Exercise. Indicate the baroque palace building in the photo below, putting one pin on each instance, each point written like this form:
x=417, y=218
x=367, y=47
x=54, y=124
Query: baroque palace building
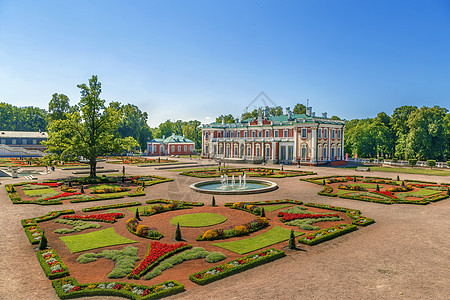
x=285, y=139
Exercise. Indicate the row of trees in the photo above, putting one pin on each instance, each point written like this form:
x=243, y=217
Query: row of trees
x=13, y=118
x=409, y=133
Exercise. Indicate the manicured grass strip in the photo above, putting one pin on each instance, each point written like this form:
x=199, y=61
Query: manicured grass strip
x=343, y=192
x=198, y=220
x=271, y=237
x=94, y=240
x=35, y=193
x=422, y=192
x=128, y=290
x=364, y=185
x=412, y=171
x=272, y=208
x=236, y=266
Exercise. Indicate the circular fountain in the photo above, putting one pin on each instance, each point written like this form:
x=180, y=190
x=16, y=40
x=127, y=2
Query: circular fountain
x=225, y=186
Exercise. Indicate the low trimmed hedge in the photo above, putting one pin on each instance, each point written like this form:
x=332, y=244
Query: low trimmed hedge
x=269, y=202
x=236, y=266
x=69, y=288
x=327, y=191
x=52, y=259
x=153, y=201
x=34, y=234
x=103, y=207
x=357, y=197
x=327, y=234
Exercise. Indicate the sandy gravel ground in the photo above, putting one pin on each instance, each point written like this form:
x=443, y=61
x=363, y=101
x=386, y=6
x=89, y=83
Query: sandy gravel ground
x=404, y=255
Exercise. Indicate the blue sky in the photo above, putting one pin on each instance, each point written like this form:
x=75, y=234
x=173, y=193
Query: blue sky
x=199, y=59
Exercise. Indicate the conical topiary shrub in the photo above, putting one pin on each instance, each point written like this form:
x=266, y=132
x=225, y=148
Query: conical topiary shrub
x=323, y=182
x=378, y=188
x=178, y=233
x=43, y=243
x=82, y=189
x=137, y=215
x=70, y=183
x=143, y=183
x=263, y=213
x=292, y=241
x=213, y=203
x=398, y=178
x=448, y=192
x=403, y=183
x=354, y=178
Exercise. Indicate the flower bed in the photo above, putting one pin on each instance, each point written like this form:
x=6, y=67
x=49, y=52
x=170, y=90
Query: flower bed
x=351, y=187
x=269, y=202
x=362, y=197
x=51, y=264
x=170, y=205
x=69, y=288
x=156, y=254
x=34, y=234
x=110, y=190
x=52, y=184
x=103, y=207
x=352, y=213
x=189, y=203
x=149, y=180
x=65, y=194
x=287, y=217
x=219, y=234
x=386, y=193
x=236, y=266
x=107, y=217
x=326, y=234
x=143, y=230
x=248, y=207
x=327, y=191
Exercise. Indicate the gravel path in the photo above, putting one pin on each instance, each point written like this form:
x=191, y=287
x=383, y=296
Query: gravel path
x=404, y=255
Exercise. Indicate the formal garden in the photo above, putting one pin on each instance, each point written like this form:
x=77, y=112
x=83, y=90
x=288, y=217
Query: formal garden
x=249, y=172
x=162, y=247
x=35, y=162
x=82, y=189
x=381, y=189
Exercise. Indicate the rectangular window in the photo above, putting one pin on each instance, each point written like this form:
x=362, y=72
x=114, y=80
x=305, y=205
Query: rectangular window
x=285, y=133
x=253, y=133
x=267, y=151
x=319, y=133
x=191, y=148
x=24, y=141
x=34, y=142
x=154, y=149
x=3, y=141
x=206, y=135
x=179, y=148
x=303, y=151
x=304, y=133
x=238, y=134
x=235, y=150
x=260, y=134
x=339, y=133
x=245, y=133
x=325, y=133
x=333, y=133
x=249, y=150
x=276, y=133
x=267, y=133
x=185, y=148
x=173, y=149
x=13, y=141
x=231, y=134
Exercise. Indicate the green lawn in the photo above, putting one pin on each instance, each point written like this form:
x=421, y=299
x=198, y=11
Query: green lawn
x=34, y=193
x=272, y=208
x=198, y=220
x=365, y=185
x=94, y=240
x=434, y=172
x=104, y=186
x=271, y=237
x=343, y=192
x=421, y=192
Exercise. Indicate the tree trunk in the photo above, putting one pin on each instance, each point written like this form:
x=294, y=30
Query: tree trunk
x=93, y=165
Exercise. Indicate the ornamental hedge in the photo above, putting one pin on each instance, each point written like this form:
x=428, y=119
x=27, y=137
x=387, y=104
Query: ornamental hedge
x=51, y=264
x=236, y=266
x=69, y=288
x=327, y=234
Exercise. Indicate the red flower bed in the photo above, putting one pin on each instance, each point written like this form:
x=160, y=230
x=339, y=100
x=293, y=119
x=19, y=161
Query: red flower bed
x=157, y=250
x=52, y=184
x=65, y=194
x=286, y=217
x=109, y=217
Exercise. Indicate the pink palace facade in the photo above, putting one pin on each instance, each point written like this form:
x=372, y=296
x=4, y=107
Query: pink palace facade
x=287, y=139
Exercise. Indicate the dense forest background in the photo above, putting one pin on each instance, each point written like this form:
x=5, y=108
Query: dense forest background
x=409, y=133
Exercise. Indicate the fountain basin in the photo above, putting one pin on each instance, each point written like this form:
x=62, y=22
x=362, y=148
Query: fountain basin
x=252, y=186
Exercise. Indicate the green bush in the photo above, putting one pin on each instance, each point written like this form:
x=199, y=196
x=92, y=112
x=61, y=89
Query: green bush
x=52, y=269
x=448, y=163
x=325, y=234
x=412, y=162
x=215, y=257
x=431, y=163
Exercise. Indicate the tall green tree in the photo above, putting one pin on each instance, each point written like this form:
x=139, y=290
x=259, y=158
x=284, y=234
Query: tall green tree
x=59, y=107
x=227, y=119
x=133, y=123
x=299, y=109
x=88, y=131
x=400, y=129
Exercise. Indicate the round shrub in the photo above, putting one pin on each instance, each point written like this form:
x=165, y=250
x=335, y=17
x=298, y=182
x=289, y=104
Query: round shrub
x=215, y=257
